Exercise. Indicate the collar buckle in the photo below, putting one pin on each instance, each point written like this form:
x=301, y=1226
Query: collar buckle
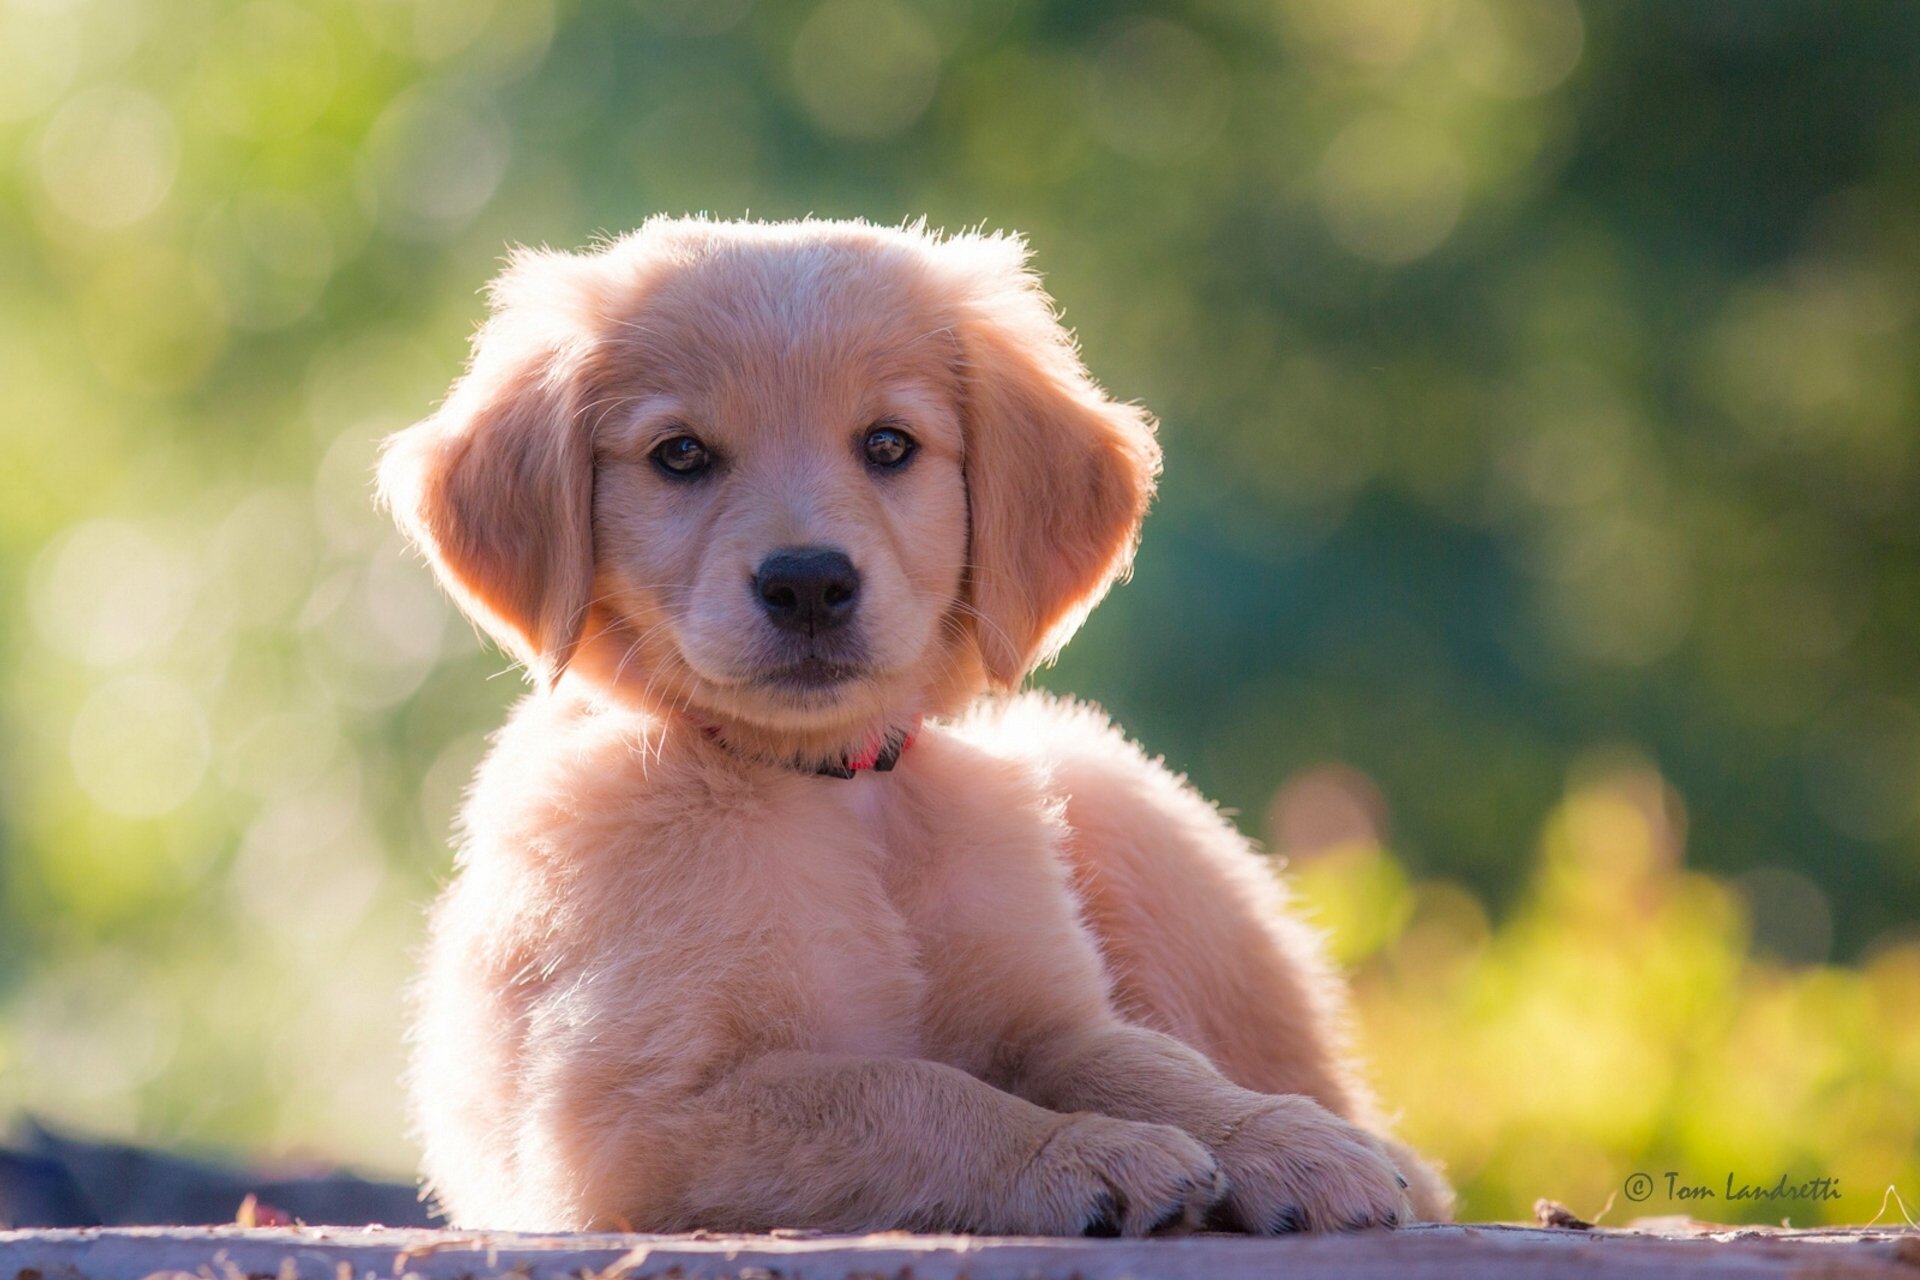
x=881, y=759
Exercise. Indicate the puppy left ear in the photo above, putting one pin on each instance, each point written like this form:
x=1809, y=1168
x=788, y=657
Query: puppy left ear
x=1058, y=474
x=497, y=487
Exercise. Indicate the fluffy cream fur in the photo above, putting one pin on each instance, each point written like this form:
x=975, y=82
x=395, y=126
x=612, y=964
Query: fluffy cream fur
x=1028, y=981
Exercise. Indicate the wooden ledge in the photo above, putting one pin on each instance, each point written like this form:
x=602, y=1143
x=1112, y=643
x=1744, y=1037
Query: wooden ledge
x=1655, y=1248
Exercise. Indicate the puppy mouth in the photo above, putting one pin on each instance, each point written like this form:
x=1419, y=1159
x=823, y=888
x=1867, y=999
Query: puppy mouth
x=810, y=675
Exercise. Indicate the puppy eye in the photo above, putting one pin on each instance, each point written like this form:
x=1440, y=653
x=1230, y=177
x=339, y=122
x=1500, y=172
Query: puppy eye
x=888, y=446
x=682, y=456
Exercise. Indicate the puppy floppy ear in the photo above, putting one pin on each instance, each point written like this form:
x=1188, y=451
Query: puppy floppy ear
x=1058, y=474
x=496, y=488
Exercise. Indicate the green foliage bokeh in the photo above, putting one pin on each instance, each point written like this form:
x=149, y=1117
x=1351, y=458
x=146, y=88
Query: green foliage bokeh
x=1537, y=564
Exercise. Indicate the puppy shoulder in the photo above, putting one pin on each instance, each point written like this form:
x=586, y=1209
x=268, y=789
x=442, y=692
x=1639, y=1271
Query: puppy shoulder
x=1050, y=730
x=566, y=772
x=1086, y=758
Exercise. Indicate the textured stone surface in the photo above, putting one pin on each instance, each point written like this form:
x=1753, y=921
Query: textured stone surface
x=372, y=1253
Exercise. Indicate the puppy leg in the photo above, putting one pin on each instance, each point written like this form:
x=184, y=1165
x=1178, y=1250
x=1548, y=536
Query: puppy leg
x=1290, y=1163
x=1198, y=938
x=1200, y=943
x=1194, y=927
x=843, y=1143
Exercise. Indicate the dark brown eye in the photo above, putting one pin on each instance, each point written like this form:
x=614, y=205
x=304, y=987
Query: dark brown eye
x=888, y=446
x=682, y=457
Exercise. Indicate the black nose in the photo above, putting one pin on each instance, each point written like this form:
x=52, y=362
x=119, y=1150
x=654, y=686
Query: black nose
x=807, y=589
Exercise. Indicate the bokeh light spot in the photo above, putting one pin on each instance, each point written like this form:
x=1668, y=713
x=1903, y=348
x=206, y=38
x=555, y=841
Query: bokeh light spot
x=1620, y=589
x=263, y=554
x=100, y=1021
x=108, y=591
x=375, y=630
x=1391, y=187
x=443, y=28
x=1324, y=808
x=40, y=47
x=865, y=68
x=306, y=864
x=1517, y=48
x=1574, y=438
x=108, y=157
x=281, y=751
x=139, y=746
x=432, y=162
x=1369, y=33
x=1156, y=90
x=515, y=42
x=1791, y=921
x=270, y=70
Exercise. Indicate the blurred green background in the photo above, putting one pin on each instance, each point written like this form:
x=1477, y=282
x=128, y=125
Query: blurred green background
x=1537, y=567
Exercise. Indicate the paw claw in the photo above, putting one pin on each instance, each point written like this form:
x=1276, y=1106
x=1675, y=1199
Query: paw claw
x=1173, y=1217
x=1104, y=1222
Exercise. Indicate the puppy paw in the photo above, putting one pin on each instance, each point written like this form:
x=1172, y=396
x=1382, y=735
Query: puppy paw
x=1097, y=1176
x=1295, y=1166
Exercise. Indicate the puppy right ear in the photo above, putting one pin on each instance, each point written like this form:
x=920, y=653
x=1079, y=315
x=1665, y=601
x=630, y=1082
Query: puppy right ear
x=497, y=487
x=1058, y=473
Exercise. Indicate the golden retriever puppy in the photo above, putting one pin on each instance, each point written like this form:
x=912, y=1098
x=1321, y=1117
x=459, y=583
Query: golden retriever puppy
x=775, y=906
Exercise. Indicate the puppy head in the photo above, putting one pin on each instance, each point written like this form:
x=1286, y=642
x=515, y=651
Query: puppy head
x=798, y=478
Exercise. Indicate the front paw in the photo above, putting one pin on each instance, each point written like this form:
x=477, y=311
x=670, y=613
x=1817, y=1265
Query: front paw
x=1097, y=1176
x=1295, y=1166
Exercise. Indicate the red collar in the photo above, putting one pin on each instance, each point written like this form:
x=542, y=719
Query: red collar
x=879, y=755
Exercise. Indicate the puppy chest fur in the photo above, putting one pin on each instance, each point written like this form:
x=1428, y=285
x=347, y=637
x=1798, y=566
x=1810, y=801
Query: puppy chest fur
x=619, y=938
